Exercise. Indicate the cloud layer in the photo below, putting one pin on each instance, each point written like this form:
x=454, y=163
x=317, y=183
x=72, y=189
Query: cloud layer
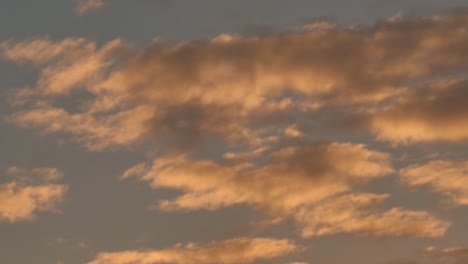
x=264, y=101
x=403, y=79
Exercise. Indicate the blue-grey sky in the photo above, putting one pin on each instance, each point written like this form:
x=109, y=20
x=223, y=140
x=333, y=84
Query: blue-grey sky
x=171, y=131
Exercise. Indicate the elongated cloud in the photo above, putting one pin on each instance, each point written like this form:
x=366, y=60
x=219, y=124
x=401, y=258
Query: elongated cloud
x=293, y=176
x=351, y=214
x=245, y=89
x=454, y=255
x=89, y=6
x=240, y=250
x=41, y=174
x=66, y=65
x=41, y=51
x=434, y=255
x=305, y=183
x=449, y=178
x=22, y=198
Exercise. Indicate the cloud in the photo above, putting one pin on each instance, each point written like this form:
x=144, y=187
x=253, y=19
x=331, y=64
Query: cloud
x=240, y=250
x=89, y=6
x=434, y=255
x=41, y=51
x=43, y=174
x=94, y=132
x=22, y=198
x=65, y=65
x=455, y=255
x=310, y=183
x=350, y=214
x=292, y=176
x=247, y=89
x=435, y=111
x=449, y=178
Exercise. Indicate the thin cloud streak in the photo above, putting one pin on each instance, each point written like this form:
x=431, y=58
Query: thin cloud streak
x=89, y=6
x=239, y=250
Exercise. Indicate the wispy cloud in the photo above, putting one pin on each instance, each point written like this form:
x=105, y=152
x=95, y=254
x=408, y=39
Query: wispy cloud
x=449, y=178
x=89, y=6
x=240, y=250
x=454, y=255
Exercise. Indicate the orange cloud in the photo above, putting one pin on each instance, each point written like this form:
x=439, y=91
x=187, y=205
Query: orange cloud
x=22, y=198
x=292, y=176
x=350, y=214
x=435, y=111
x=95, y=132
x=41, y=51
x=240, y=250
x=306, y=183
x=89, y=6
x=66, y=65
x=43, y=174
x=246, y=89
x=449, y=178
x=455, y=255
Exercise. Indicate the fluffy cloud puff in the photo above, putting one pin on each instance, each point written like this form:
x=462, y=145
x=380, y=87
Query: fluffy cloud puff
x=30, y=192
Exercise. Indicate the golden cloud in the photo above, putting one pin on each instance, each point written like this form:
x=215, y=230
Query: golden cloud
x=89, y=6
x=351, y=214
x=23, y=197
x=454, y=255
x=246, y=89
x=239, y=250
x=449, y=178
x=435, y=111
x=310, y=183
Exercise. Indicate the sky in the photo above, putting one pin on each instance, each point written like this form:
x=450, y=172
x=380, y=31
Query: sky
x=206, y=132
